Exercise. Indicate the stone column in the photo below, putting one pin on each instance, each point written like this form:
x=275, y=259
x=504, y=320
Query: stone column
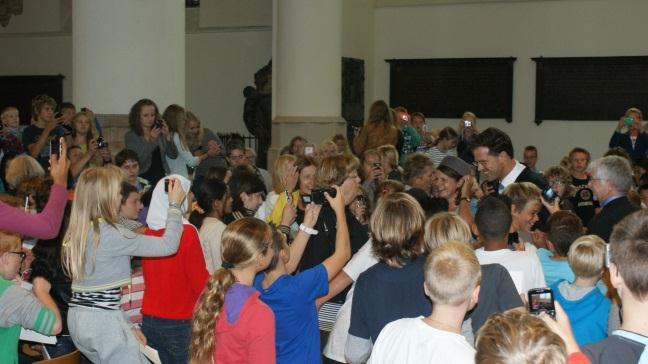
x=306, y=71
x=125, y=50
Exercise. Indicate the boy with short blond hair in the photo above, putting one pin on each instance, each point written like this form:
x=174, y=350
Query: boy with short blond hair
x=588, y=309
x=452, y=282
x=19, y=307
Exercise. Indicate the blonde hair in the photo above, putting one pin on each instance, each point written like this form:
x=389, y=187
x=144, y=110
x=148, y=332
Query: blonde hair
x=444, y=227
x=587, y=256
x=387, y=187
x=452, y=272
x=635, y=111
x=193, y=142
x=278, y=173
x=325, y=143
x=91, y=132
x=243, y=241
x=334, y=170
x=5, y=111
x=521, y=193
x=397, y=229
x=176, y=117
x=336, y=137
x=469, y=114
x=21, y=168
x=389, y=153
x=9, y=241
x=95, y=196
x=514, y=337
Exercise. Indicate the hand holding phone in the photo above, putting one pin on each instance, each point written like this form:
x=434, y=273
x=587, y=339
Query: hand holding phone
x=542, y=300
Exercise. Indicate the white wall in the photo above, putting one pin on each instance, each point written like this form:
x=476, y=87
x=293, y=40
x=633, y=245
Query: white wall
x=358, y=39
x=220, y=61
x=219, y=66
x=528, y=29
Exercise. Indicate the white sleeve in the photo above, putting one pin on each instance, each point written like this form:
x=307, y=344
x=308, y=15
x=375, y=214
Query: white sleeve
x=362, y=260
x=184, y=154
x=538, y=273
x=266, y=207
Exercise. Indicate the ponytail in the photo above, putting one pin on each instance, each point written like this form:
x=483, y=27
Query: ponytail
x=208, y=191
x=196, y=218
x=243, y=241
x=206, y=316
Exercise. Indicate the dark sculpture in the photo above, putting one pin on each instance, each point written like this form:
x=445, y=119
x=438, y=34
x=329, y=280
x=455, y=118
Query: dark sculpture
x=257, y=111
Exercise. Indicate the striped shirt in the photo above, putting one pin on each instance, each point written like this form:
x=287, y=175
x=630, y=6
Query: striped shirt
x=132, y=296
x=106, y=300
x=437, y=156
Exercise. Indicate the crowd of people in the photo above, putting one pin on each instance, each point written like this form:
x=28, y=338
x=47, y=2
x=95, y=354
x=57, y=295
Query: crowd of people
x=406, y=244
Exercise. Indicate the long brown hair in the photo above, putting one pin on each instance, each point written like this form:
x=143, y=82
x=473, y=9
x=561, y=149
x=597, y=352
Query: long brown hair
x=243, y=241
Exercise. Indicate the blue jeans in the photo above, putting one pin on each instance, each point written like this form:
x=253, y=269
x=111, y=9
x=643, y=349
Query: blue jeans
x=169, y=337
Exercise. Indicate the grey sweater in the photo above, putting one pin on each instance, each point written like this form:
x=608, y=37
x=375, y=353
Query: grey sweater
x=112, y=263
x=145, y=148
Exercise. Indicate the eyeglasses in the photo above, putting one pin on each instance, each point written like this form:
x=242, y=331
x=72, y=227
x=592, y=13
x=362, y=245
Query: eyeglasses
x=22, y=255
x=477, y=163
x=556, y=183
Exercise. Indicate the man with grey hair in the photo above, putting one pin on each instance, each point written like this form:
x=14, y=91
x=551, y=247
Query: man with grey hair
x=611, y=180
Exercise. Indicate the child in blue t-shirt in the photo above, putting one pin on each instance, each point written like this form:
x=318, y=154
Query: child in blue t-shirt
x=588, y=309
x=292, y=298
x=563, y=228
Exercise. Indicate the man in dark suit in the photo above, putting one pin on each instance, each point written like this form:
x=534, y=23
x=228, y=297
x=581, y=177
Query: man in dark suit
x=493, y=152
x=611, y=180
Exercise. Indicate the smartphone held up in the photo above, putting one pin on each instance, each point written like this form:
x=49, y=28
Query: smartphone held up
x=542, y=300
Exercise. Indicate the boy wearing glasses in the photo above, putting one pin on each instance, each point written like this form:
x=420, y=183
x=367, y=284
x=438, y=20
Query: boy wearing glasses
x=18, y=307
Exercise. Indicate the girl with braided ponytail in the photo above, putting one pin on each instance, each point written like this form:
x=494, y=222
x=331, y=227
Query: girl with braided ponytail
x=231, y=323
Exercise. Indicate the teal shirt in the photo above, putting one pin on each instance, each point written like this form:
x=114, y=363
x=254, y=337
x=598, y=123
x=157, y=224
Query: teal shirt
x=411, y=140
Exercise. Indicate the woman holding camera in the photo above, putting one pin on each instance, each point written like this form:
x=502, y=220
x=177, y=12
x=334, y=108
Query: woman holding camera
x=340, y=171
x=149, y=137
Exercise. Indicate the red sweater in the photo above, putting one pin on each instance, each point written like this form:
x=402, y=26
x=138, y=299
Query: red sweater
x=174, y=283
x=251, y=339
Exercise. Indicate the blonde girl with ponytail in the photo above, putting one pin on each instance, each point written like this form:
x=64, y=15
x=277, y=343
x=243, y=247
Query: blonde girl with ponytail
x=231, y=323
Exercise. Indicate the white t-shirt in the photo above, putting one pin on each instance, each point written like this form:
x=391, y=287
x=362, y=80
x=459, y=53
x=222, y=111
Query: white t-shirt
x=266, y=207
x=523, y=266
x=362, y=260
x=210, y=233
x=411, y=340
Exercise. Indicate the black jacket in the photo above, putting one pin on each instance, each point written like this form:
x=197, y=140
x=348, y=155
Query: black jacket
x=603, y=223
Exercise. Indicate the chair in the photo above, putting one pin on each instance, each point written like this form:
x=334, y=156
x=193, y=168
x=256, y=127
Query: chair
x=71, y=358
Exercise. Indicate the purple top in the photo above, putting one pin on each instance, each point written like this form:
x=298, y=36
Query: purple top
x=234, y=300
x=45, y=225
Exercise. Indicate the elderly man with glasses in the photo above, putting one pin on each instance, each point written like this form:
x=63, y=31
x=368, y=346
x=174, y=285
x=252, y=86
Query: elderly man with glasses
x=611, y=179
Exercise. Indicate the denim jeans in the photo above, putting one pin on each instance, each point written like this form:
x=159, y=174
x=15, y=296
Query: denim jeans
x=169, y=337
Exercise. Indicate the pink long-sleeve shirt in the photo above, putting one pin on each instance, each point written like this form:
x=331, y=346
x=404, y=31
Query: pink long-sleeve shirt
x=45, y=225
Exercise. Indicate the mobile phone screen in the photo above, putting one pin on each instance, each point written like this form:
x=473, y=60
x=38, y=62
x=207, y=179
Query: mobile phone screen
x=541, y=300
